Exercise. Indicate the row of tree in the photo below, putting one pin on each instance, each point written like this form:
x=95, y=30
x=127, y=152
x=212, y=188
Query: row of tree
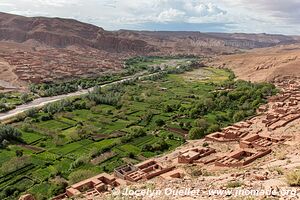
x=64, y=87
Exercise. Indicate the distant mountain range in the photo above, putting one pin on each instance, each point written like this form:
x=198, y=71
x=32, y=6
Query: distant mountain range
x=69, y=44
x=57, y=32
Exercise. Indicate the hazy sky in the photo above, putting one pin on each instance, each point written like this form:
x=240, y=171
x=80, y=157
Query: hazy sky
x=256, y=16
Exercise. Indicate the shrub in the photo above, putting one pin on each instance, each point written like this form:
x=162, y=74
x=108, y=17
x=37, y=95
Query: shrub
x=42, y=144
x=8, y=133
x=31, y=112
x=19, y=153
x=78, y=162
x=196, y=133
x=25, y=98
x=201, y=123
x=160, y=122
x=10, y=191
x=196, y=172
x=205, y=144
x=234, y=184
x=213, y=128
x=293, y=178
x=27, y=127
x=159, y=146
x=58, y=186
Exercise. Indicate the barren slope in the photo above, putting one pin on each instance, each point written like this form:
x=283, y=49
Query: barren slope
x=264, y=64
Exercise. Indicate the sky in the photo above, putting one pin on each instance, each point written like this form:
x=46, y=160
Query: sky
x=249, y=16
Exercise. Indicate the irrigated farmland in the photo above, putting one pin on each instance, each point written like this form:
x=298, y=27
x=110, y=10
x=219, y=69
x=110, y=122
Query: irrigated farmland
x=129, y=122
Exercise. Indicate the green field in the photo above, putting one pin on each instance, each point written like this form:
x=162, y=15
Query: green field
x=133, y=129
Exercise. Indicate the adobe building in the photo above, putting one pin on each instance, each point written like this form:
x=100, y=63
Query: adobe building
x=221, y=137
x=92, y=187
x=195, y=155
x=123, y=171
x=26, y=197
x=228, y=134
x=231, y=133
x=152, y=168
x=143, y=171
x=283, y=120
x=258, y=141
x=241, y=157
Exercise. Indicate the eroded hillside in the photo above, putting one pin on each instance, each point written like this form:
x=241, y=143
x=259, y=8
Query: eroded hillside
x=40, y=49
x=267, y=64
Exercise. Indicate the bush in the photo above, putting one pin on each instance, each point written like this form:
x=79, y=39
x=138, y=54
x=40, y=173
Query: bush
x=58, y=186
x=196, y=133
x=234, y=184
x=213, y=128
x=10, y=191
x=78, y=162
x=238, y=116
x=27, y=127
x=160, y=122
x=25, y=98
x=46, y=117
x=159, y=146
x=293, y=178
x=31, y=112
x=42, y=144
x=19, y=153
x=205, y=144
x=8, y=133
x=201, y=123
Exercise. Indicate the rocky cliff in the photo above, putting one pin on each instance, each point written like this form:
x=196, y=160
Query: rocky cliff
x=60, y=33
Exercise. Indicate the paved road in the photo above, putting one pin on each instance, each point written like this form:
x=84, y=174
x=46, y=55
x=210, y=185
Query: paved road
x=45, y=100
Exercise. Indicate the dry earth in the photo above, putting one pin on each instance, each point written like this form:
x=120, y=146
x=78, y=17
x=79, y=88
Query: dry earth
x=264, y=64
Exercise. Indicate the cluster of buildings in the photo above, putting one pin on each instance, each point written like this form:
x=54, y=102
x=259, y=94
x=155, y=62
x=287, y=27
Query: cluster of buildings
x=143, y=171
x=231, y=133
x=124, y=175
x=251, y=147
x=92, y=187
x=284, y=108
